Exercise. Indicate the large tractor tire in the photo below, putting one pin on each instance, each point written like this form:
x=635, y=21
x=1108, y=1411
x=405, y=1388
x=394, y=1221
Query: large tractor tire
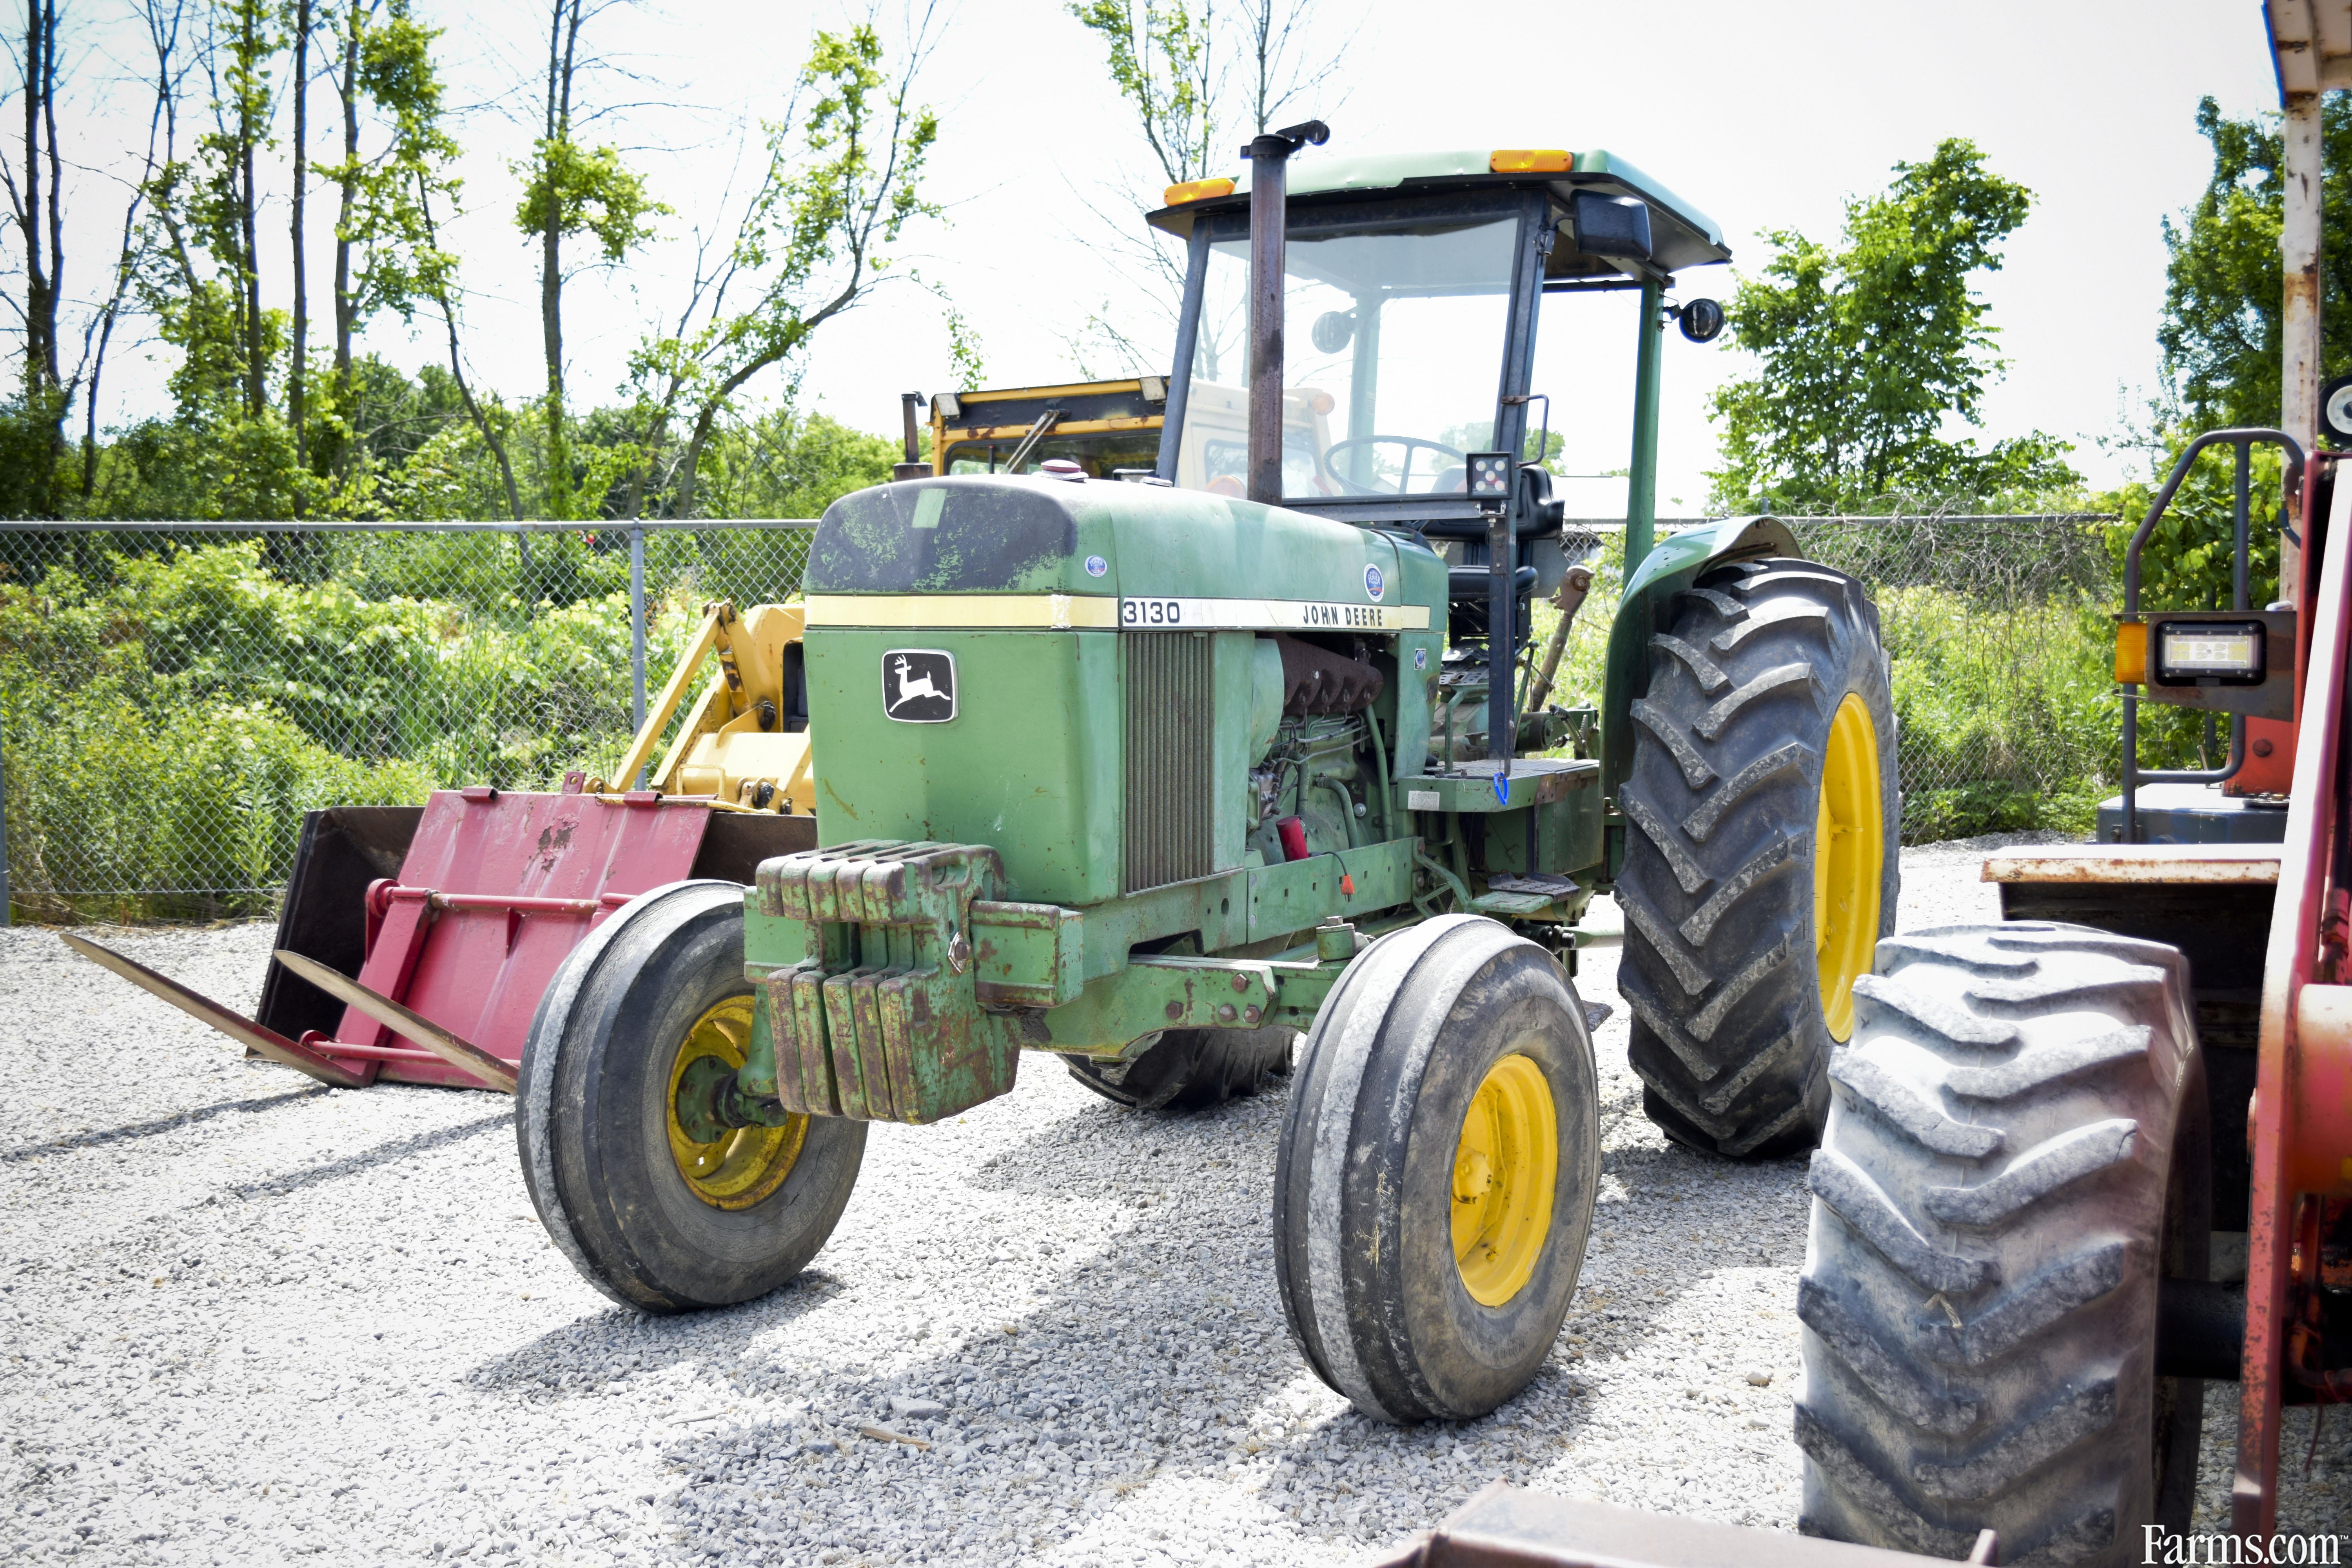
x=1761, y=851
x=1189, y=1070
x=2017, y=1156
x=659, y=1210
x=1434, y=1185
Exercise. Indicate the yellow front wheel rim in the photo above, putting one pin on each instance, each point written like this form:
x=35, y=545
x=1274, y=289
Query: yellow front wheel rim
x=743, y=1165
x=1849, y=863
x=1506, y=1171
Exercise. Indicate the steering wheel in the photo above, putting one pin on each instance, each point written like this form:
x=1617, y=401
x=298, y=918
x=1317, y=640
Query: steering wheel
x=1404, y=470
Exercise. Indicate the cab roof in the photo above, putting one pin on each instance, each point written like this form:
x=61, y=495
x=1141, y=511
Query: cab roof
x=1681, y=235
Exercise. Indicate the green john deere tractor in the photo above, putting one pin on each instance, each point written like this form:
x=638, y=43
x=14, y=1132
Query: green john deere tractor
x=1153, y=775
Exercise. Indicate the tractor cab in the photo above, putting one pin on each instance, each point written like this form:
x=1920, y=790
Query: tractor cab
x=1412, y=292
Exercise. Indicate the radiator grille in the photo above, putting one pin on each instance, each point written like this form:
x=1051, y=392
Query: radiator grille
x=1169, y=759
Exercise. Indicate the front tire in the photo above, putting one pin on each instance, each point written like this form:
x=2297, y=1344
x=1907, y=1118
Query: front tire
x=2017, y=1156
x=1439, y=1160
x=1761, y=851
x=656, y=1210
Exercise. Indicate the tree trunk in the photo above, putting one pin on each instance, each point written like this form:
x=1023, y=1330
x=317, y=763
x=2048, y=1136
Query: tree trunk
x=296, y=367
x=346, y=307
x=40, y=295
x=490, y=436
x=40, y=215
x=564, y=34
x=256, y=385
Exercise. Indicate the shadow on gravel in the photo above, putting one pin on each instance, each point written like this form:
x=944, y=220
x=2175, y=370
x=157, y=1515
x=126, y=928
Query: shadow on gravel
x=1139, y=1367
x=136, y=1130
x=1153, y=1356
x=549, y=1366
x=375, y=1158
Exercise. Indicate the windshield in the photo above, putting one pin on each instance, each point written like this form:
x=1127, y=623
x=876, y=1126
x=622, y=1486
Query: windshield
x=1393, y=359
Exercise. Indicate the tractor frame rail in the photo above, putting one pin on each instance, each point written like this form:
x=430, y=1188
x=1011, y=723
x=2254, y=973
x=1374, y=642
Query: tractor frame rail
x=2302, y=1114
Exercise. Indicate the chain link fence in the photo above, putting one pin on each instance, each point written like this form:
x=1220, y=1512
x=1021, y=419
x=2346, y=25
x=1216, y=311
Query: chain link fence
x=174, y=696
x=2000, y=636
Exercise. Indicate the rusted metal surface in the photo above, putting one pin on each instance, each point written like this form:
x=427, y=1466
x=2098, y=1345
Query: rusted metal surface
x=881, y=1020
x=2304, y=947
x=2320, y=1147
x=2096, y=863
x=458, y=1052
x=495, y=892
x=1505, y=1527
x=203, y=1010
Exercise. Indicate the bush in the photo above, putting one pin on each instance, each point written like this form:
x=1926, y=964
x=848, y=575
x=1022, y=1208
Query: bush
x=2005, y=702
x=169, y=716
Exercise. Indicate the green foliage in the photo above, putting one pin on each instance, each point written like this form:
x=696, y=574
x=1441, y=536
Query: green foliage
x=1584, y=663
x=584, y=191
x=1161, y=62
x=29, y=480
x=1865, y=348
x=842, y=182
x=2015, y=700
x=2004, y=702
x=170, y=714
x=2222, y=299
x=784, y=464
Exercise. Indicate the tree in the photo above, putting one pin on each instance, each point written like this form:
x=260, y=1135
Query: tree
x=841, y=182
x=2222, y=298
x=296, y=358
x=38, y=203
x=570, y=190
x=387, y=252
x=35, y=417
x=1191, y=70
x=1865, y=349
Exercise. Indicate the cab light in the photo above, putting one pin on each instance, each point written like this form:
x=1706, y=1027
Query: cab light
x=1532, y=161
x=2131, y=653
x=1198, y=190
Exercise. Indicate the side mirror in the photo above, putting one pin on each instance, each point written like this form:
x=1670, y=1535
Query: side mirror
x=1701, y=320
x=1332, y=330
x=1611, y=226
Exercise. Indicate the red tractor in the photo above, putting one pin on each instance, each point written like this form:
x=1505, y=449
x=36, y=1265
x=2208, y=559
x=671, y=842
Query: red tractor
x=2085, y=1161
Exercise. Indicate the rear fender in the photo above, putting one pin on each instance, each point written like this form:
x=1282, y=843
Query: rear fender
x=1647, y=608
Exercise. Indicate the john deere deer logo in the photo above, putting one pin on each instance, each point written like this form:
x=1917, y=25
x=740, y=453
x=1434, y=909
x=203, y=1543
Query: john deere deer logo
x=919, y=686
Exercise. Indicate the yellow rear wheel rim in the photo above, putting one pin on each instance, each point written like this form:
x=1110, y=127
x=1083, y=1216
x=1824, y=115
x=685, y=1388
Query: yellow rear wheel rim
x=1849, y=863
x=1506, y=1171
x=743, y=1165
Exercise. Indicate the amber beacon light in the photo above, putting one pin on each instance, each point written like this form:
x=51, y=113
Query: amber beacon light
x=1197, y=191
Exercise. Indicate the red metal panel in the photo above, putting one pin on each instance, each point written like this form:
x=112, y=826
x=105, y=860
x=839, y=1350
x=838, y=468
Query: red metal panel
x=2312, y=825
x=479, y=962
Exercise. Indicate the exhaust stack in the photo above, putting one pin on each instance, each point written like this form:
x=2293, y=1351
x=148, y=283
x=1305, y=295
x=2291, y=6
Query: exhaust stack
x=1269, y=157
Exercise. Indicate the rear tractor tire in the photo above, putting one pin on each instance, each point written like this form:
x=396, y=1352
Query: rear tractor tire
x=2017, y=1156
x=1189, y=1070
x=1439, y=1160
x=652, y=1207
x=1760, y=865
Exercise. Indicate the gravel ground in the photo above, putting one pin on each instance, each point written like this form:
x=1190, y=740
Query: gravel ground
x=243, y=1318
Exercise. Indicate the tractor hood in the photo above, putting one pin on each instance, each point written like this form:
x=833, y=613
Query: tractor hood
x=977, y=550
x=1077, y=672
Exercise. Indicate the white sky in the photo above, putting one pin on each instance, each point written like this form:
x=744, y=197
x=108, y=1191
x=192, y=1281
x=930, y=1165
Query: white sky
x=1761, y=115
